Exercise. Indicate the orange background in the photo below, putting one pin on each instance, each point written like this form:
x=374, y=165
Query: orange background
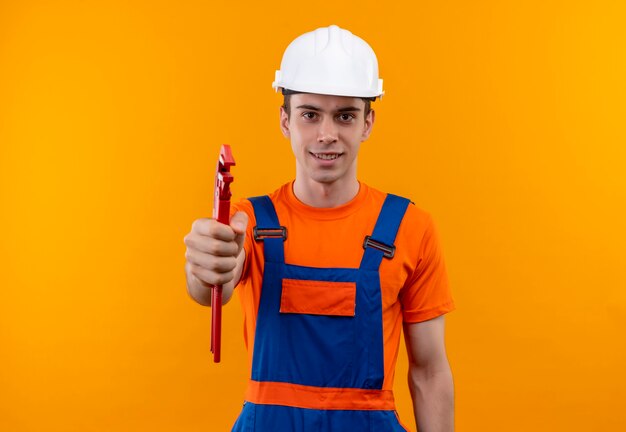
x=505, y=120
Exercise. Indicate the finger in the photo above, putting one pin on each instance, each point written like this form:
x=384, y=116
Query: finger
x=239, y=223
x=212, y=263
x=213, y=228
x=210, y=277
x=211, y=246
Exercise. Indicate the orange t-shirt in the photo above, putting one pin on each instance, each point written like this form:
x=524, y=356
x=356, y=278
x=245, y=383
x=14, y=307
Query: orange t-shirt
x=414, y=283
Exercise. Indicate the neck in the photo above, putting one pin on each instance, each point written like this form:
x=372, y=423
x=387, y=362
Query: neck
x=325, y=195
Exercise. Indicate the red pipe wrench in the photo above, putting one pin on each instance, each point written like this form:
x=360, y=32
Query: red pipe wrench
x=221, y=212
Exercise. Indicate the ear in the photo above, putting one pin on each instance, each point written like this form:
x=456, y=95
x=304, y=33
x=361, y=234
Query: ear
x=369, y=125
x=284, y=122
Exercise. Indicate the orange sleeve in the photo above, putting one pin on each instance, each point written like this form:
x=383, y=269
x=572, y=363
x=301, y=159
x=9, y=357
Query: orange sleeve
x=426, y=293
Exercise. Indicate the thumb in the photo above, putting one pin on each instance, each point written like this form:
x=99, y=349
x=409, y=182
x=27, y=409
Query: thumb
x=239, y=223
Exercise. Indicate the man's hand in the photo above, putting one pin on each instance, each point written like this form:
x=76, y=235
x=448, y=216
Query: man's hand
x=215, y=256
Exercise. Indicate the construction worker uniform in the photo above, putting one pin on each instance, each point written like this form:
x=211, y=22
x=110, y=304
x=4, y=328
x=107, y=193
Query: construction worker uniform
x=324, y=293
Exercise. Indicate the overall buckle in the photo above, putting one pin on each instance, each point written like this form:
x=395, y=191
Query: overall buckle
x=263, y=233
x=388, y=251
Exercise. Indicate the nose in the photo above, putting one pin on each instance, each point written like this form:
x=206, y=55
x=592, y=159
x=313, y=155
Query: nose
x=327, y=133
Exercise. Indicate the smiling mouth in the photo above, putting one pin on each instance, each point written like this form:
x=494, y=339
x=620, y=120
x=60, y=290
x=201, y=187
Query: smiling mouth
x=326, y=156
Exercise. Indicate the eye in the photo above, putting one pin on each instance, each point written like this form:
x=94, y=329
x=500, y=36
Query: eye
x=346, y=117
x=309, y=115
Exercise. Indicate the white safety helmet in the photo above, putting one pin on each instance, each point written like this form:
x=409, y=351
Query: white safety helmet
x=330, y=61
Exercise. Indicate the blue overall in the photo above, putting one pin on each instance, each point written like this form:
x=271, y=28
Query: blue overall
x=344, y=352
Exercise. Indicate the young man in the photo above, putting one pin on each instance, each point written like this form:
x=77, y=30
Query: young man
x=328, y=269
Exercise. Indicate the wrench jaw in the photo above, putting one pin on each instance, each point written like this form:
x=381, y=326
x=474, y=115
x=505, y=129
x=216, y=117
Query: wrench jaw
x=223, y=179
x=226, y=158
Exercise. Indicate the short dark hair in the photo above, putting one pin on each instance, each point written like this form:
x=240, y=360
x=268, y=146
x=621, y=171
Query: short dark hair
x=287, y=104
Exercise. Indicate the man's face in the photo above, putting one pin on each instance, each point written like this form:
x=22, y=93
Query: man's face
x=326, y=133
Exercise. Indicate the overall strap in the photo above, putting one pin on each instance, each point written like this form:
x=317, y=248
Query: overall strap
x=268, y=229
x=380, y=243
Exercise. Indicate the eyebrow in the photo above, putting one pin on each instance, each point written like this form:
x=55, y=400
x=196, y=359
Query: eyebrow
x=314, y=108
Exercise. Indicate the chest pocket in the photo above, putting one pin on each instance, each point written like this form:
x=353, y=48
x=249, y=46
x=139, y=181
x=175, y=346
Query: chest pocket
x=318, y=297
x=317, y=321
